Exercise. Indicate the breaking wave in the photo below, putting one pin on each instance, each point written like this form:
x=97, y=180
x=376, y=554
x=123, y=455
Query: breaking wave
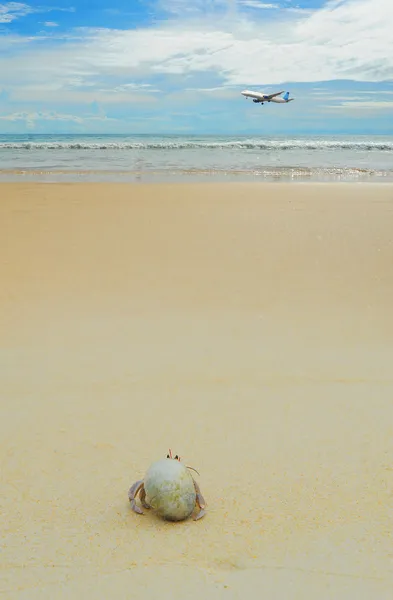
x=267, y=145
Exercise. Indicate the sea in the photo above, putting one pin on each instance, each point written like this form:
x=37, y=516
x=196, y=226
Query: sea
x=166, y=158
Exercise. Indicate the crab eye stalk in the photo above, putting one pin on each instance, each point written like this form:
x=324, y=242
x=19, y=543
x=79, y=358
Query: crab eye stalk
x=169, y=455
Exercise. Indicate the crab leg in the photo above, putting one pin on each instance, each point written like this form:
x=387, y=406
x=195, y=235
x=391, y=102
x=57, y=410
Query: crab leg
x=142, y=497
x=200, y=502
x=132, y=494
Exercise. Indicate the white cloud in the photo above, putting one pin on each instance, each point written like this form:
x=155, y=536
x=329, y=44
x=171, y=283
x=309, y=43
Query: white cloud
x=50, y=24
x=32, y=119
x=10, y=11
x=36, y=116
x=104, y=96
x=185, y=8
x=219, y=92
x=257, y=4
x=349, y=39
x=351, y=105
x=14, y=10
x=128, y=87
x=373, y=92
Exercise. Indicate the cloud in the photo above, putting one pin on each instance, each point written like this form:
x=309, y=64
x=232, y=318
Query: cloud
x=193, y=55
x=14, y=10
x=35, y=116
x=185, y=8
x=105, y=96
x=32, y=119
x=257, y=4
x=137, y=87
x=375, y=106
x=11, y=11
x=50, y=24
x=348, y=39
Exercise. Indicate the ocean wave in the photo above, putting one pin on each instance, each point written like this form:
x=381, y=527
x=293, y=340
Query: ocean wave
x=268, y=145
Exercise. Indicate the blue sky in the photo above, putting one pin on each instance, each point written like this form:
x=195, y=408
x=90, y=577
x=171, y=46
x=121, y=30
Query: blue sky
x=152, y=66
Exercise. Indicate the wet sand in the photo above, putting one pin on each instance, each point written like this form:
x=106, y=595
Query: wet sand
x=249, y=327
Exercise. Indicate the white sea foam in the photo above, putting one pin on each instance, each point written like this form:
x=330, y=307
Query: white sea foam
x=268, y=158
x=247, y=144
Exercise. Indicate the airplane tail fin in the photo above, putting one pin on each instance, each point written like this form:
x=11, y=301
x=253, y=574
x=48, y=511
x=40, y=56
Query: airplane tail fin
x=286, y=96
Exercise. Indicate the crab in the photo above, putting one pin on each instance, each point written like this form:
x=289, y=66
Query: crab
x=170, y=489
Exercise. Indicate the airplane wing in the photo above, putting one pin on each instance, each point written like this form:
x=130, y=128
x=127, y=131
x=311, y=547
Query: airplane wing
x=270, y=96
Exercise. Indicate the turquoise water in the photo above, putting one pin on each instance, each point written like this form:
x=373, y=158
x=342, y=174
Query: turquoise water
x=174, y=157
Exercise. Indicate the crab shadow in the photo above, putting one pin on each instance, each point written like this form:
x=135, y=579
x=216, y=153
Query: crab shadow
x=151, y=517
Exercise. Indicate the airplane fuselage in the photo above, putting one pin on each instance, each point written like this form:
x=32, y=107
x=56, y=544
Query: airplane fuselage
x=261, y=98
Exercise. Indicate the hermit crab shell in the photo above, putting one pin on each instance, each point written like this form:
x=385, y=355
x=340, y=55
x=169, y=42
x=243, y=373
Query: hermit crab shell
x=170, y=489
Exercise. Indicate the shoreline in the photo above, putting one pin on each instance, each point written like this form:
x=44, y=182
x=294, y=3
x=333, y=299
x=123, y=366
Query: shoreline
x=191, y=176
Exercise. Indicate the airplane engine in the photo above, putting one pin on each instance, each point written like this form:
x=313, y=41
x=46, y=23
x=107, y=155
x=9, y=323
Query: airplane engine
x=255, y=100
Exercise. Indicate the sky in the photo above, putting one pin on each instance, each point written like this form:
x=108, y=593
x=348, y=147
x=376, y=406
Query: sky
x=178, y=66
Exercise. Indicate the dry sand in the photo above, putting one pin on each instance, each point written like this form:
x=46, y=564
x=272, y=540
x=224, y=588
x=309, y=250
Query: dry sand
x=249, y=327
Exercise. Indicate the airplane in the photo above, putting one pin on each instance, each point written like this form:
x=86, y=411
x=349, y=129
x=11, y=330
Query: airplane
x=262, y=98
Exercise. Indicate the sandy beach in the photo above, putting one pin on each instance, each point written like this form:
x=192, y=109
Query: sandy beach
x=249, y=328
